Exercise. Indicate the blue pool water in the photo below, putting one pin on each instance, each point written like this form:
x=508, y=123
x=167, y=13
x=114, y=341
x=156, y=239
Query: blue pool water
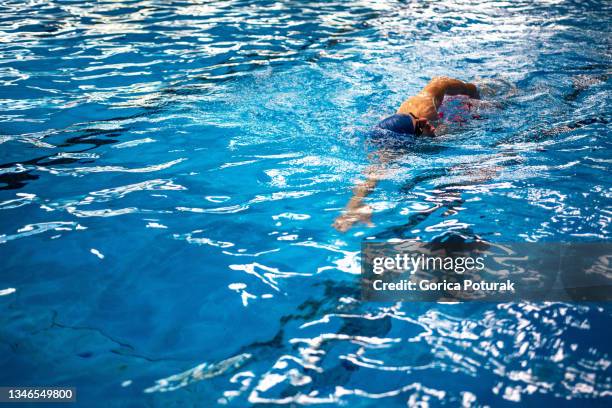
x=170, y=172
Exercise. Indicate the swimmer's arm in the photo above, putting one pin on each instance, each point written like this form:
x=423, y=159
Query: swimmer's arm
x=356, y=210
x=441, y=86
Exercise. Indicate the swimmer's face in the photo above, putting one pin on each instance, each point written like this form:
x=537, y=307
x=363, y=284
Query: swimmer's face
x=424, y=127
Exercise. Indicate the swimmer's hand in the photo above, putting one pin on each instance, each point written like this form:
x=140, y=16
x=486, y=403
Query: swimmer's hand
x=360, y=214
x=356, y=211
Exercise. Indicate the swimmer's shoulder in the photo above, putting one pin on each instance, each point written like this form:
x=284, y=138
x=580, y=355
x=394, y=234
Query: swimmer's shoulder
x=420, y=105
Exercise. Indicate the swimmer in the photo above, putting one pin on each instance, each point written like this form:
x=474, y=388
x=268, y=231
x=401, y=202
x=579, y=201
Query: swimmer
x=416, y=114
x=415, y=117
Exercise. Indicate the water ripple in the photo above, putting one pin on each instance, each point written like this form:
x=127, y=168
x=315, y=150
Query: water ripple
x=207, y=147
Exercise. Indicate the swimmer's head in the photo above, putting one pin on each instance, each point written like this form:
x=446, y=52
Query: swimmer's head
x=408, y=124
x=422, y=126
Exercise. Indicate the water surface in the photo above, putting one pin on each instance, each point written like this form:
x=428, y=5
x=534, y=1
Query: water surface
x=170, y=172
